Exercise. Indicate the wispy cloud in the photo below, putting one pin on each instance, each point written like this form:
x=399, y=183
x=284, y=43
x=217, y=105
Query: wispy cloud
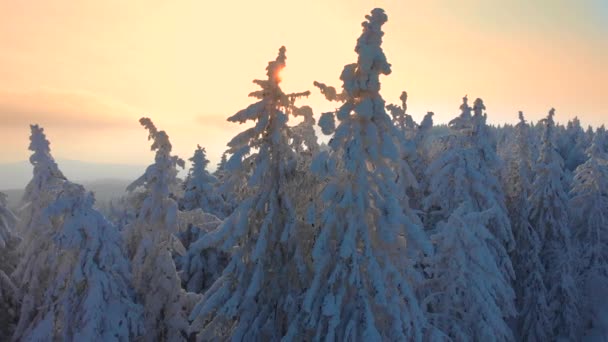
x=64, y=108
x=218, y=121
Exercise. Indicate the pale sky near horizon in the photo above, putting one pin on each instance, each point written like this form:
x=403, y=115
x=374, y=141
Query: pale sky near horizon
x=87, y=70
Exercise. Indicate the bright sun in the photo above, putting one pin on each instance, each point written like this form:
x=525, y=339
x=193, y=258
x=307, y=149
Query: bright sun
x=281, y=74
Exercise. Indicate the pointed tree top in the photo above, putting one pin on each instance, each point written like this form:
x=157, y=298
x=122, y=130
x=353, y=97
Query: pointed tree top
x=161, y=139
x=427, y=121
x=41, y=157
x=38, y=141
x=478, y=107
x=595, y=150
x=403, y=99
x=521, y=117
x=465, y=108
x=551, y=114
x=274, y=67
x=200, y=156
x=371, y=63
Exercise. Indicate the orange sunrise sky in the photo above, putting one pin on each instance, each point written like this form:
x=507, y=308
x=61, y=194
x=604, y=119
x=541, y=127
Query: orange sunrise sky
x=87, y=70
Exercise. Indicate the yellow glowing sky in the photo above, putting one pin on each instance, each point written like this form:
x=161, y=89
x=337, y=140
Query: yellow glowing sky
x=87, y=70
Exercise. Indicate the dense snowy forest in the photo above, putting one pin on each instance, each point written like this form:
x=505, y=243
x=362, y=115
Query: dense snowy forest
x=393, y=230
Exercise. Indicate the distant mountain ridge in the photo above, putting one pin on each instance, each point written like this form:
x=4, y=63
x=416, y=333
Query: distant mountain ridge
x=104, y=190
x=17, y=175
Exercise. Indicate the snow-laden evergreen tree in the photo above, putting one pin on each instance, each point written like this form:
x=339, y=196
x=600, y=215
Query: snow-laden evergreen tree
x=533, y=324
x=228, y=185
x=89, y=297
x=199, y=189
x=407, y=130
x=603, y=137
x=257, y=294
x=32, y=275
x=571, y=144
x=401, y=118
x=422, y=142
x=589, y=208
x=464, y=172
x=463, y=175
x=303, y=134
x=549, y=217
x=8, y=222
x=304, y=185
x=359, y=289
x=8, y=260
x=198, y=267
x=469, y=287
x=150, y=241
x=221, y=166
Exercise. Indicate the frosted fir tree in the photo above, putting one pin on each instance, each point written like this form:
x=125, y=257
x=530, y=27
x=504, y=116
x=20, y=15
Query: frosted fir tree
x=150, y=242
x=468, y=285
x=549, y=217
x=401, y=118
x=422, y=141
x=33, y=274
x=304, y=185
x=589, y=208
x=256, y=296
x=303, y=137
x=8, y=222
x=199, y=189
x=359, y=289
x=221, y=166
x=602, y=137
x=8, y=260
x=90, y=298
x=464, y=172
x=228, y=186
x=462, y=175
x=571, y=144
x=533, y=324
x=198, y=267
x=407, y=130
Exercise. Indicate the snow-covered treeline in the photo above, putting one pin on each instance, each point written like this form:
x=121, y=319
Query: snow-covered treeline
x=394, y=231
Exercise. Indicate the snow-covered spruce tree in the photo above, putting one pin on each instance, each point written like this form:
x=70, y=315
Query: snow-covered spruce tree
x=199, y=188
x=8, y=260
x=422, y=142
x=603, y=137
x=198, y=267
x=549, y=217
x=304, y=185
x=401, y=118
x=589, y=208
x=33, y=274
x=571, y=144
x=256, y=296
x=303, y=137
x=462, y=175
x=468, y=285
x=531, y=294
x=229, y=187
x=407, y=130
x=359, y=290
x=464, y=172
x=89, y=298
x=150, y=241
x=221, y=166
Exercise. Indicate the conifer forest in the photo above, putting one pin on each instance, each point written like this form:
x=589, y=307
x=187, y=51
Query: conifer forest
x=358, y=224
